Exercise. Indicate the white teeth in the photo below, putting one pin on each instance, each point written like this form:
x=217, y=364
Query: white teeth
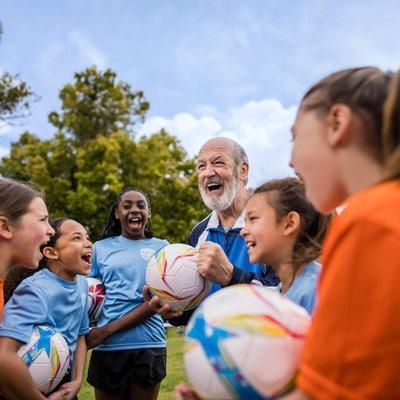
x=250, y=244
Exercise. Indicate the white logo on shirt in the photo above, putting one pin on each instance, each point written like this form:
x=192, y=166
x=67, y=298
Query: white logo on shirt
x=147, y=253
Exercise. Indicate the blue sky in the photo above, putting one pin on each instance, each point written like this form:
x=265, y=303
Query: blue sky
x=233, y=68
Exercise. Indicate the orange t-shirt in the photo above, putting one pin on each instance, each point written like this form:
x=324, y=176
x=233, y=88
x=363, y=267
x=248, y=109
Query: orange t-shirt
x=353, y=347
x=1, y=298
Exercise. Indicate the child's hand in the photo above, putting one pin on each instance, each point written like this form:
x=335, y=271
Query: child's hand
x=185, y=392
x=73, y=388
x=96, y=337
x=61, y=394
x=155, y=305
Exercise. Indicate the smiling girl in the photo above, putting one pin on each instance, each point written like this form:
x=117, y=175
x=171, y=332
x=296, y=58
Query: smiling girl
x=55, y=296
x=24, y=227
x=346, y=147
x=283, y=230
x=130, y=360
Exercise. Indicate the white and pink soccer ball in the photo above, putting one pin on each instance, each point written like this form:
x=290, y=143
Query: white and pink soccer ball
x=96, y=294
x=244, y=342
x=47, y=357
x=173, y=277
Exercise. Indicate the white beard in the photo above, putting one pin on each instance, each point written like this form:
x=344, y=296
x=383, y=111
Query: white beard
x=225, y=200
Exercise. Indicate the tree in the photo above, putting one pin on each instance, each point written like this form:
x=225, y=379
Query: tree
x=96, y=103
x=15, y=96
x=94, y=155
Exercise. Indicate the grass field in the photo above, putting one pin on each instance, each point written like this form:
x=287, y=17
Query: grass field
x=175, y=373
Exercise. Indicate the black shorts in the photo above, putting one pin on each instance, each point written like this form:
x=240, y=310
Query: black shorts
x=114, y=371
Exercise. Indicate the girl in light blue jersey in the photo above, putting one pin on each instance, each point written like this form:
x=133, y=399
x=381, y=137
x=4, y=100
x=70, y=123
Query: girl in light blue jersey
x=129, y=361
x=56, y=296
x=283, y=230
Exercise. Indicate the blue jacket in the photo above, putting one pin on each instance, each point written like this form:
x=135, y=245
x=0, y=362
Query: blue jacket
x=235, y=248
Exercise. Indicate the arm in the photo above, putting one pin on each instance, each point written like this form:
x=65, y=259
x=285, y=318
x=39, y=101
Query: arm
x=268, y=278
x=78, y=368
x=135, y=317
x=15, y=380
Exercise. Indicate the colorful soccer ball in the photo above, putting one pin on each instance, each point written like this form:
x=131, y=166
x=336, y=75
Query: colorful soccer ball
x=96, y=296
x=46, y=357
x=172, y=275
x=244, y=342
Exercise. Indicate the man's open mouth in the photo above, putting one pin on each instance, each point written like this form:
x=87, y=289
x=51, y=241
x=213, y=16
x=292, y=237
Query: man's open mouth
x=214, y=186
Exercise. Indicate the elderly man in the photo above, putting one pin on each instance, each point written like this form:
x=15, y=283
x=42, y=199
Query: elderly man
x=222, y=168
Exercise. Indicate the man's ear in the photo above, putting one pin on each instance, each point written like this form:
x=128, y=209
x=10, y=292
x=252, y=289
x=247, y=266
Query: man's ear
x=244, y=171
x=338, y=119
x=6, y=228
x=50, y=252
x=116, y=214
x=149, y=213
x=291, y=223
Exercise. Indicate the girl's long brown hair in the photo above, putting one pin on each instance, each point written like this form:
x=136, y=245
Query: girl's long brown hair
x=286, y=195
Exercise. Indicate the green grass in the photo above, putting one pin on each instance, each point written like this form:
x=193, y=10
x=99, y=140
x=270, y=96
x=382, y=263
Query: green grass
x=175, y=373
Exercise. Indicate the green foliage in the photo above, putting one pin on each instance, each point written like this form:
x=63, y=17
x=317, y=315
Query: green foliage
x=96, y=103
x=15, y=97
x=84, y=167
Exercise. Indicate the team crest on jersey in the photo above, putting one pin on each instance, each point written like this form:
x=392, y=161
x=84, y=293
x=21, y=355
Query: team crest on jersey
x=147, y=253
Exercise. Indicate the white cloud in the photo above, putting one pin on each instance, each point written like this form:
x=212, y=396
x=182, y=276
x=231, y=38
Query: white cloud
x=5, y=129
x=261, y=127
x=4, y=151
x=87, y=49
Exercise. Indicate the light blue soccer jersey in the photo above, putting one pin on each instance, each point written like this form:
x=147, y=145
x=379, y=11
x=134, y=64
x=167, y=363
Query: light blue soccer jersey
x=46, y=299
x=121, y=263
x=304, y=288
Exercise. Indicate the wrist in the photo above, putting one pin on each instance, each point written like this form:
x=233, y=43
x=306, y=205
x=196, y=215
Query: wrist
x=108, y=330
x=228, y=275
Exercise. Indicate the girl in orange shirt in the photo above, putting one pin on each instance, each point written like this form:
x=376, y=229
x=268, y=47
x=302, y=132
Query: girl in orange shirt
x=346, y=140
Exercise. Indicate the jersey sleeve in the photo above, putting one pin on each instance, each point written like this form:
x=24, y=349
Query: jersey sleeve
x=94, y=270
x=84, y=328
x=357, y=316
x=26, y=308
x=268, y=277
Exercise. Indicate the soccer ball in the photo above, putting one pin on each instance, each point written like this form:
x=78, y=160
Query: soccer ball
x=244, y=342
x=96, y=296
x=46, y=357
x=172, y=275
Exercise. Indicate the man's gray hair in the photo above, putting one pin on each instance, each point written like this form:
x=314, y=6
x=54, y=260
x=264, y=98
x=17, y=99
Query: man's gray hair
x=239, y=154
x=240, y=157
